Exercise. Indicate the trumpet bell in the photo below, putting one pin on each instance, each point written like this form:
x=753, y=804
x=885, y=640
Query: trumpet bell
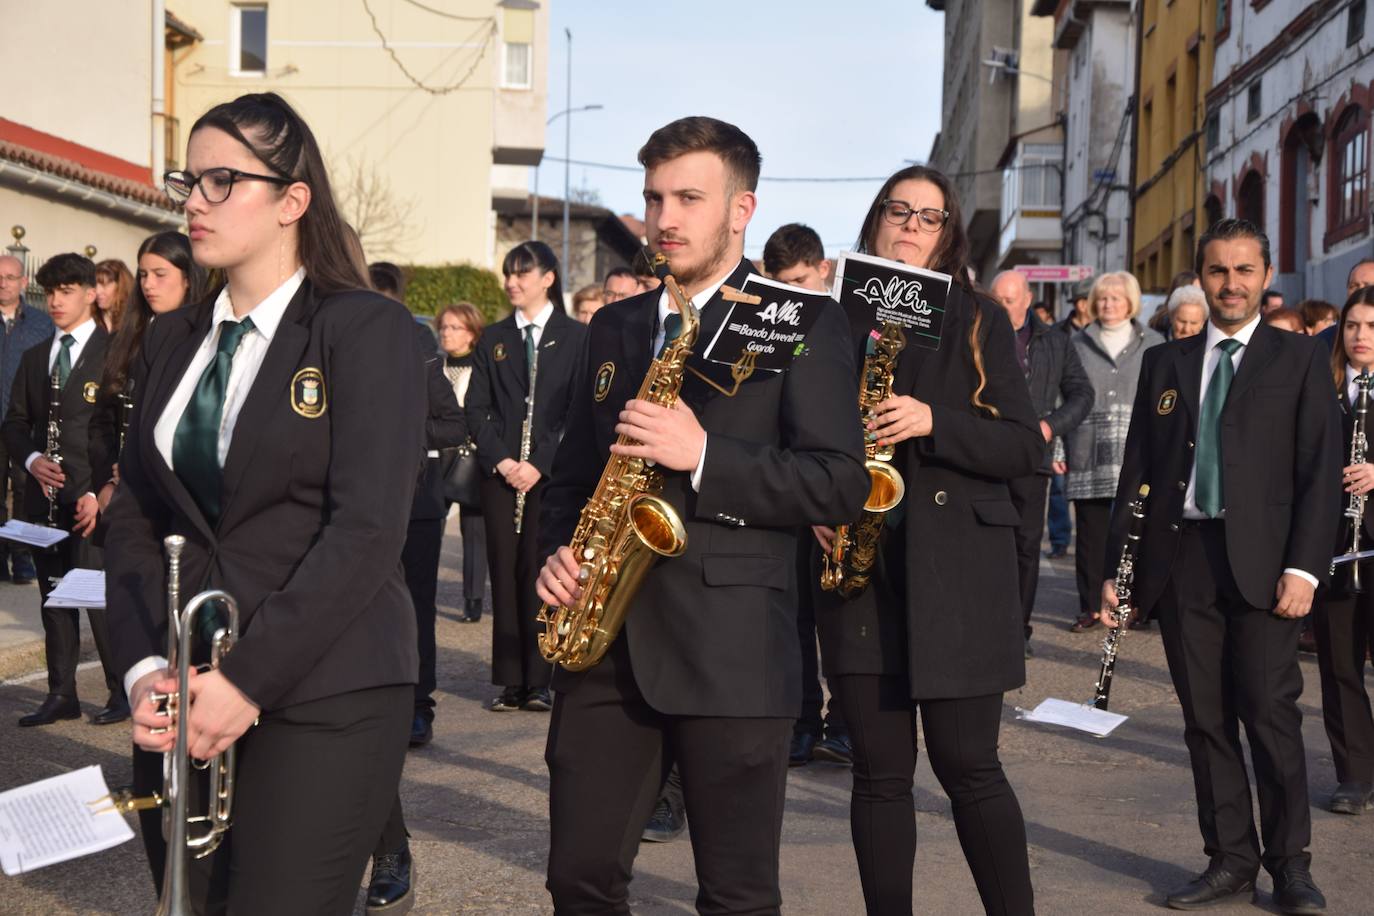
x=885, y=487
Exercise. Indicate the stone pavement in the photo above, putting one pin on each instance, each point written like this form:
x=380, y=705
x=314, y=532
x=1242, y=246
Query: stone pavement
x=1111, y=822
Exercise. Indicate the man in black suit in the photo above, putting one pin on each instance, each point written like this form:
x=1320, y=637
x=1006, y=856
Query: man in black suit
x=76, y=354
x=1237, y=433
x=707, y=670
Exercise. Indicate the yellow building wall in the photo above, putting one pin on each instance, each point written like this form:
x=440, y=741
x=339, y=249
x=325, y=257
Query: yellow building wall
x=1173, y=84
x=424, y=150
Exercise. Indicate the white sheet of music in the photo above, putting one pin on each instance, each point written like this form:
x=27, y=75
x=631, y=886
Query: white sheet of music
x=1084, y=717
x=57, y=819
x=79, y=588
x=34, y=535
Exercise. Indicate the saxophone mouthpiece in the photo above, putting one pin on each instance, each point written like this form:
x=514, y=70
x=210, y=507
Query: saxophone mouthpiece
x=659, y=264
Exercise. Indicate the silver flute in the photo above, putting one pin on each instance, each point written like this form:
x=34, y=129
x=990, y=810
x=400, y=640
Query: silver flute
x=526, y=439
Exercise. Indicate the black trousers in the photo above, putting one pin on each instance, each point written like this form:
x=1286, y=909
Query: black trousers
x=961, y=739
x=315, y=782
x=514, y=567
x=13, y=480
x=1344, y=627
x=813, y=698
x=1091, y=517
x=62, y=626
x=473, y=530
x=1029, y=495
x=609, y=752
x=420, y=560
x=1234, y=663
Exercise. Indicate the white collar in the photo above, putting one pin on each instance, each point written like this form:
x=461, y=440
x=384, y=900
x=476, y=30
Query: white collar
x=540, y=319
x=82, y=332
x=665, y=307
x=268, y=313
x=1215, y=335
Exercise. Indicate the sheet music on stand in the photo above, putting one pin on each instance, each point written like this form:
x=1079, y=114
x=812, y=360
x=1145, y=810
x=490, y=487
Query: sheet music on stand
x=56, y=819
x=1081, y=716
x=33, y=535
x=79, y=588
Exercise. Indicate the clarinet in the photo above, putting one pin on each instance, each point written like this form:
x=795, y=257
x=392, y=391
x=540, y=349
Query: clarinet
x=126, y=410
x=53, y=452
x=1358, y=450
x=526, y=439
x=1125, y=578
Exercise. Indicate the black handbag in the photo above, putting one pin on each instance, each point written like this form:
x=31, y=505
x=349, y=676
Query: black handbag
x=463, y=476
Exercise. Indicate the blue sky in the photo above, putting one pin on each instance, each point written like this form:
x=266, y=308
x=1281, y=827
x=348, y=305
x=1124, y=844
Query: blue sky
x=825, y=89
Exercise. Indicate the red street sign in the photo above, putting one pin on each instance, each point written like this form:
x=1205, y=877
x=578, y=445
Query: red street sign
x=1054, y=273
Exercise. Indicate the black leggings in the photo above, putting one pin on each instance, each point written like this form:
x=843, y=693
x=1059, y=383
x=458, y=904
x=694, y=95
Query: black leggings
x=961, y=739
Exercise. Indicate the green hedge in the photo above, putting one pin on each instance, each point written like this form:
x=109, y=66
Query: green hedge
x=430, y=288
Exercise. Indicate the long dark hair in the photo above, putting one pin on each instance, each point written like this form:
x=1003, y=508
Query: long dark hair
x=174, y=248
x=538, y=256
x=273, y=131
x=949, y=257
x=1362, y=296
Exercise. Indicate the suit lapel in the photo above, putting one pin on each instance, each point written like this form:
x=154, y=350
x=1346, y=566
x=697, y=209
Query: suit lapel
x=1188, y=362
x=87, y=369
x=270, y=386
x=514, y=364
x=552, y=342
x=637, y=338
x=1263, y=343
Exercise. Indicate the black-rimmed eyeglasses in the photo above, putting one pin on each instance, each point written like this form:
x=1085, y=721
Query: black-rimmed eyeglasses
x=215, y=184
x=899, y=213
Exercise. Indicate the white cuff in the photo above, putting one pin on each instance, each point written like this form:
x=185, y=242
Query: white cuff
x=151, y=663
x=1302, y=575
x=701, y=463
x=33, y=456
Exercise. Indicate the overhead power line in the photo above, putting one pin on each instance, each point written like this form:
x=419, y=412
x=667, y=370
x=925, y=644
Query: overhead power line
x=781, y=179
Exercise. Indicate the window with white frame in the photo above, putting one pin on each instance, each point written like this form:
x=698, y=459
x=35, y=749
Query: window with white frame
x=517, y=62
x=1040, y=176
x=248, y=48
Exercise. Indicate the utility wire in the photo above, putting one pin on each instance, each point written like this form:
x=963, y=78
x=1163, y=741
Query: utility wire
x=489, y=26
x=844, y=179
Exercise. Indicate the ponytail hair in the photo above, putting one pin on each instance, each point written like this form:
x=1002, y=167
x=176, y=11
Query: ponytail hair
x=537, y=256
x=949, y=257
x=279, y=137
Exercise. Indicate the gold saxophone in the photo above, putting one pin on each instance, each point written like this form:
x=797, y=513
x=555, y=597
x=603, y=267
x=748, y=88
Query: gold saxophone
x=625, y=525
x=846, y=567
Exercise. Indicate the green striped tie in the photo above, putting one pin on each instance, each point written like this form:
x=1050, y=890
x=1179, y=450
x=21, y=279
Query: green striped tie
x=1208, y=491
x=195, y=445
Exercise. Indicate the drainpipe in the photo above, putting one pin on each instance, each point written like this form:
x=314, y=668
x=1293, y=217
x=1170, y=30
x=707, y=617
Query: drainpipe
x=1135, y=138
x=159, y=107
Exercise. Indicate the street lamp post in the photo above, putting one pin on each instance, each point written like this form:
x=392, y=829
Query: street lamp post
x=534, y=228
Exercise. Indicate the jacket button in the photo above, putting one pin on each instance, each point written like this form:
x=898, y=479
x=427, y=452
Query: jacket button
x=1173, y=526
x=1190, y=443
x=1183, y=485
x=941, y=497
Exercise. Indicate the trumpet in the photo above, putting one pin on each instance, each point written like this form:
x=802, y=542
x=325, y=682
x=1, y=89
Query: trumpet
x=177, y=822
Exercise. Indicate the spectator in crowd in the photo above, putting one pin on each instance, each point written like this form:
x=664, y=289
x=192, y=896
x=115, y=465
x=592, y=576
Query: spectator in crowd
x=1184, y=278
x=1360, y=276
x=1061, y=396
x=1162, y=319
x=1187, y=311
x=1059, y=525
x=620, y=283
x=1317, y=315
x=25, y=326
x=460, y=327
x=1110, y=349
x=1271, y=301
x=1081, y=315
x=794, y=255
x=1286, y=319
x=113, y=284
x=587, y=301
x=1043, y=311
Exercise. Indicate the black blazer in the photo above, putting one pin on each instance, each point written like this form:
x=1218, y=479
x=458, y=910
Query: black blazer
x=1060, y=391
x=713, y=632
x=500, y=381
x=445, y=427
x=945, y=607
x=25, y=428
x=314, y=507
x=1281, y=462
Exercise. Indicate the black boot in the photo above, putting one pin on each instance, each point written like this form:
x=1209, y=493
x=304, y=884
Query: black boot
x=472, y=610
x=390, y=889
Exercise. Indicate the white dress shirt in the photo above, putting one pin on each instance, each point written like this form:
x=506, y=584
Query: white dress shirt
x=1352, y=390
x=247, y=361
x=665, y=308
x=81, y=333
x=539, y=320
x=1211, y=359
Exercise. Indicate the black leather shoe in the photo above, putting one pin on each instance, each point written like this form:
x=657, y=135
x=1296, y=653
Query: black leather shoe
x=1210, y=888
x=509, y=700
x=835, y=748
x=1352, y=798
x=537, y=699
x=1296, y=892
x=24, y=572
x=666, y=825
x=390, y=890
x=472, y=610
x=116, y=709
x=800, y=750
x=421, y=729
x=53, y=708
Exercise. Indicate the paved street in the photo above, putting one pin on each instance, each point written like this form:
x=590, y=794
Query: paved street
x=1111, y=822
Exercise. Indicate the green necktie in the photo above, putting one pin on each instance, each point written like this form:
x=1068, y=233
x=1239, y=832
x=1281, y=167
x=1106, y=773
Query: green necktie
x=529, y=348
x=672, y=326
x=195, y=445
x=1208, y=491
x=64, y=359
